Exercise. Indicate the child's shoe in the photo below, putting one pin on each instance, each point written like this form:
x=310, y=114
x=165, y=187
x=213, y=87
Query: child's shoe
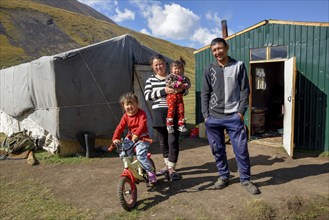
x=170, y=129
x=152, y=177
x=182, y=128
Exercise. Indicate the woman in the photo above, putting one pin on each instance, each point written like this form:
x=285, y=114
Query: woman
x=156, y=91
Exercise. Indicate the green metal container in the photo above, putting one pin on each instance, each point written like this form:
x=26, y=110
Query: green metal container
x=308, y=42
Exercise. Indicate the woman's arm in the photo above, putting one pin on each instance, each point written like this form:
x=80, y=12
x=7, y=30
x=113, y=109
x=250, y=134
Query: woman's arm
x=155, y=90
x=151, y=93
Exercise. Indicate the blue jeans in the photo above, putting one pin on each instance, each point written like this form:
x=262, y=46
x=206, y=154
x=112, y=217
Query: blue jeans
x=238, y=137
x=141, y=153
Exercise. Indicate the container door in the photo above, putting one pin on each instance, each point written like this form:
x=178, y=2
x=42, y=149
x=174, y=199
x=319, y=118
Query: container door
x=289, y=105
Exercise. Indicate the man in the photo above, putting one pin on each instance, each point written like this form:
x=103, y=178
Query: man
x=224, y=101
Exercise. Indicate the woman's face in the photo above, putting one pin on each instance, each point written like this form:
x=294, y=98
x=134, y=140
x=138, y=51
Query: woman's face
x=159, y=67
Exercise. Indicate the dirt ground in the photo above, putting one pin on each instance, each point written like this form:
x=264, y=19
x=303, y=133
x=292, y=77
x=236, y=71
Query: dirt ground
x=287, y=185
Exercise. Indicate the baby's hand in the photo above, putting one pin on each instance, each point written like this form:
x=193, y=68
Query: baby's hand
x=184, y=86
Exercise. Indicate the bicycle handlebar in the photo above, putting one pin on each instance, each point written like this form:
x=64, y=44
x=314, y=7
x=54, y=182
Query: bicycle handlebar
x=113, y=146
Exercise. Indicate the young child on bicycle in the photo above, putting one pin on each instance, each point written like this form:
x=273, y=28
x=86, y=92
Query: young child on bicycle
x=136, y=120
x=176, y=79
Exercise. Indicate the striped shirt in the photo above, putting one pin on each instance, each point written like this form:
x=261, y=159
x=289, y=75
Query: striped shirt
x=155, y=92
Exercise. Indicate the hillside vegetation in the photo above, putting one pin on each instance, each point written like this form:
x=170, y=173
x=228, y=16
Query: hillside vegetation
x=32, y=29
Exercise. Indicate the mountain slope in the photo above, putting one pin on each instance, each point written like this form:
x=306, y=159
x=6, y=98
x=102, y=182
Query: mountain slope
x=39, y=29
x=75, y=6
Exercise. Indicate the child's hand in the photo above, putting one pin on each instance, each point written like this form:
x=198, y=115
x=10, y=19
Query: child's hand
x=134, y=138
x=116, y=141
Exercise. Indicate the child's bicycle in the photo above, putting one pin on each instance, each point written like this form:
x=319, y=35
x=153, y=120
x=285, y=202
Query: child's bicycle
x=132, y=174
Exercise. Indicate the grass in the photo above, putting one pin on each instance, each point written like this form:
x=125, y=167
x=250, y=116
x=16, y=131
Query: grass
x=324, y=154
x=259, y=209
x=30, y=200
x=295, y=207
x=10, y=55
x=48, y=158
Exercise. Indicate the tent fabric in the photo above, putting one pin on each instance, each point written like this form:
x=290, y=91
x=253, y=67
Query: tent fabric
x=73, y=91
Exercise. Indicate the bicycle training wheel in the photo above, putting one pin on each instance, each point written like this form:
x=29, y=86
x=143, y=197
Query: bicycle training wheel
x=127, y=192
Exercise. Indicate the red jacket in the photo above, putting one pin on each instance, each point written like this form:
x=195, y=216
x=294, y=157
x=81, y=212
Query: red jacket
x=137, y=125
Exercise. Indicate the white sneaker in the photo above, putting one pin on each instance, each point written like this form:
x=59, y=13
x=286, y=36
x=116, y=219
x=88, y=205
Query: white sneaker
x=170, y=129
x=182, y=128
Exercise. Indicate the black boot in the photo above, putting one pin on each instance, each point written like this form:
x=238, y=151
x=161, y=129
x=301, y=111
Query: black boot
x=87, y=140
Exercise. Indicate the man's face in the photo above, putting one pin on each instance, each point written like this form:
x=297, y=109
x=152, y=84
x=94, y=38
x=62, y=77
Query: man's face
x=219, y=51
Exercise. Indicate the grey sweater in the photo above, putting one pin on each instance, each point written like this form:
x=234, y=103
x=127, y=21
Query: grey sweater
x=225, y=90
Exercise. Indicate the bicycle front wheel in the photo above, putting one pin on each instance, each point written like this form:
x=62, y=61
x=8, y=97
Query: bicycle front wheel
x=127, y=192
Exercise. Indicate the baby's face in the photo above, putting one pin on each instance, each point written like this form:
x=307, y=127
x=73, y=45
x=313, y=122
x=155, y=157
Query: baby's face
x=177, y=70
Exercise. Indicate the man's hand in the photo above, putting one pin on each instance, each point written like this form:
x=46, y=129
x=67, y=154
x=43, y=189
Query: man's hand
x=241, y=116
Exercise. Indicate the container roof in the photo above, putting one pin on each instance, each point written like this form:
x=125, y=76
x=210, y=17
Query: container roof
x=270, y=21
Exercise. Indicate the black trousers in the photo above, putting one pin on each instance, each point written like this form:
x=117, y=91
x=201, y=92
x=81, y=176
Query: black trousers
x=169, y=143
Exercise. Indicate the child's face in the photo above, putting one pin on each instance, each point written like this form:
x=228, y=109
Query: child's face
x=177, y=70
x=130, y=108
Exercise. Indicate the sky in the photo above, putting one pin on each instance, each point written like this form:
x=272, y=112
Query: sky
x=194, y=23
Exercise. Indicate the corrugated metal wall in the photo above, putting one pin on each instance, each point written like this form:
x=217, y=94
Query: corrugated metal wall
x=310, y=45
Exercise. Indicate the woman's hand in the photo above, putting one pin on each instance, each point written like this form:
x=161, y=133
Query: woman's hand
x=179, y=90
x=169, y=90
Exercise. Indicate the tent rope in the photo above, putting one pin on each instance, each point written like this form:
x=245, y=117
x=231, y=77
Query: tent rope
x=100, y=89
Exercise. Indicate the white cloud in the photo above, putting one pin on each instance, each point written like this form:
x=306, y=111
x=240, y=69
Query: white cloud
x=213, y=17
x=110, y=8
x=144, y=31
x=170, y=21
x=123, y=15
x=204, y=35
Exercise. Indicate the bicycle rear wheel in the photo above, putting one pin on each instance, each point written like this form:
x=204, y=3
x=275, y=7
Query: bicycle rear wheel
x=127, y=192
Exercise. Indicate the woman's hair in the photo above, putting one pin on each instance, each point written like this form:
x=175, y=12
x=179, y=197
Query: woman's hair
x=156, y=57
x=178, y=63
x=128, y=97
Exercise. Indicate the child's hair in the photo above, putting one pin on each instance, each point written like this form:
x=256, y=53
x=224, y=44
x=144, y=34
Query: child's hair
x=128, y=97
x=178, y=63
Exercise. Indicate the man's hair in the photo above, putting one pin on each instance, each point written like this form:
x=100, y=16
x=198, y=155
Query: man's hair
x=218, y=40
x=128, y=97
